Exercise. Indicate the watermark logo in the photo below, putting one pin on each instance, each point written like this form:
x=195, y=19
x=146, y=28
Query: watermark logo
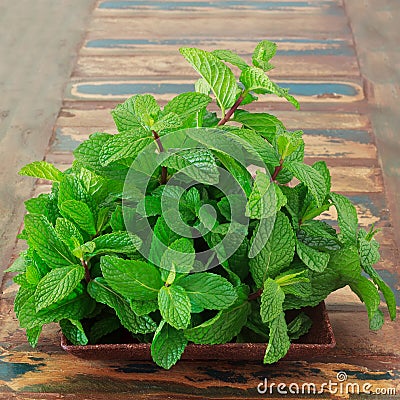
x=341, y=386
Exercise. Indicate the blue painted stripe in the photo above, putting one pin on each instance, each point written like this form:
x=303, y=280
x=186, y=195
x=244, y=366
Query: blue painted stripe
x=353, y=135
x=125, y=89
x=173, y=5
x=335, y=47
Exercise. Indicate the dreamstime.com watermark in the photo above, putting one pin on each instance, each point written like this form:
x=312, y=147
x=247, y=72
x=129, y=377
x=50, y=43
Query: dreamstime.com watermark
x=340, y=387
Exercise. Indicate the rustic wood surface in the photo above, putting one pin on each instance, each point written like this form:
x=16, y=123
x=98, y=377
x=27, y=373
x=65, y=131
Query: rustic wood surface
x=133, y=46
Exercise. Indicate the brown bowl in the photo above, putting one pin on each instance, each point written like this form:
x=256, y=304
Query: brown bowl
x=317, y=341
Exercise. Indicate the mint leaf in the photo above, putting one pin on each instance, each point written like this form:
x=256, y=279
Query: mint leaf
x=277, y=252
x=167, y=122
x=288, y=143
x=225, y=325
x=68, y=233
x=215, y=73
x=296, y=283
x=272, y=299
x=103, y=327
x=384, y=288
x=318, y=235
x=323, y=169
x=187, y=104
x=209, y=291
x=101, y=292
x=167, y=346
x=199, y=164
x=57, y=285
x=80, y=213
x=347, y=218
x=42, y=170
x=368, y=294
x=254, y=79
x=263, y=53
x=180, y=256
x=230, y=57
x=299, y=326
x=146, y=110
x=125, y=117
x=116, y=242
x=279, y=343
x=314, y=181
x=202, y=86
x=45, y=204
x=124, y=146
x=174, y=306
x=32, y=335
x=143, y=307
x=74, y=332
x=43, y=238
x=19, y=265
x=266, y=125
x=314, y=259
x=136, y=280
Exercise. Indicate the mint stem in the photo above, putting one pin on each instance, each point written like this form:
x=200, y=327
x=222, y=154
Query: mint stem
x=277, y=170
x=164, y=171
x=229, y=114
x=87, y=272
x=255, y=295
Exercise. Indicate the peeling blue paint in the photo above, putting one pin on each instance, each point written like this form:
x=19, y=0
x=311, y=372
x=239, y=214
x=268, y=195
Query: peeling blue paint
x=10, y=370
x=64, y=142
x=353, y=135
x=125, y=89
x=331, y=47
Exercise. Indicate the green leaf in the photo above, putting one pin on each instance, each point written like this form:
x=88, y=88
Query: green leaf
x=272, y=298
x=79, y=212
x=42, y=170
x=19, y=265
x=265, y=199
x=146, y=110
x=174, y=306
x=384, y=288
x=231, y=58
x=74, y=332
x=318, y=235
x=167, y=346
x=116, y=242
x=347, y=218
x=299, y=326
x=101, y=292
x=202, y=86
x=277, y=252
x=45, y=204
x=209, y=291
x=368, y=294
x=279, y=343
x=124, y=146
x=149, y=206
x=288, y=143
x=125, y=116
x=57, y=285
x=180, y=256
x=33, y=334
x=225, y=325
x=314, y=259
x=167, y=121
x=103, y=327
x=263, y=53
x=295, y=282
x=68, y=233
x=314, y=181
x=187, y=104
x=76, y=306
x=143, y=307
x=197, y=163
x=323, y=169
x=136, y=280
x=254, y=79
x=43, y=238
x=264, y=124
x=215, y=73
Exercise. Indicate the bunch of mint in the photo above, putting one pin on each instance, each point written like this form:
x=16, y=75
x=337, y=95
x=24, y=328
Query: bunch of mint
x=87, y=269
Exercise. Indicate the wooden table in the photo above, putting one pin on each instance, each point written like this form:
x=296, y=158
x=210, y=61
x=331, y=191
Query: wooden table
x=132, y=47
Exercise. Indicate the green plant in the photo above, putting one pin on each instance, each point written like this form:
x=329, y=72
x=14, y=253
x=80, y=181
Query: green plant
x=114, y=246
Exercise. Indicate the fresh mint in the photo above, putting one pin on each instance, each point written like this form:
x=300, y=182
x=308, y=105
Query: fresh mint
x=161, y=232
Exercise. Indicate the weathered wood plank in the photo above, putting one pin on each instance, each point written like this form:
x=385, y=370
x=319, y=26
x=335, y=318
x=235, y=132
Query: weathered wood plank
x=174, y=64
x=100, y=119
x=244, y=25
